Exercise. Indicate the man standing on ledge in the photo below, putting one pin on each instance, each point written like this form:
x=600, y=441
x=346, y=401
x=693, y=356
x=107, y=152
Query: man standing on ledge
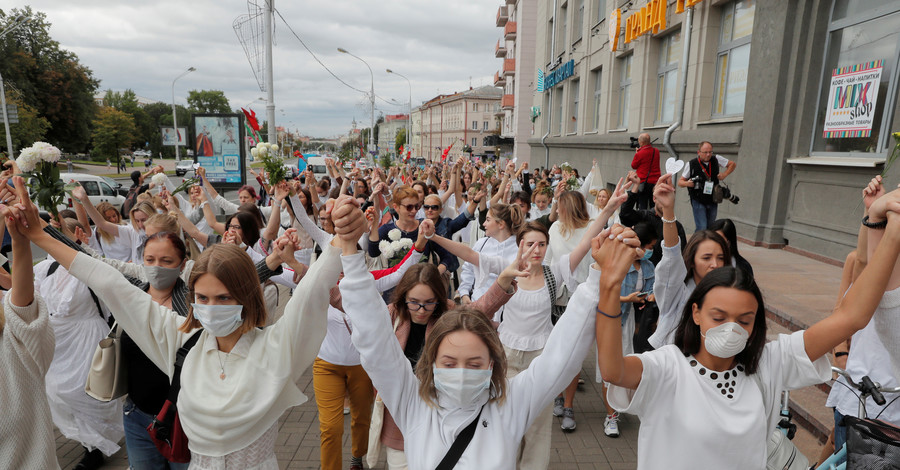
x=646, y=163
x=701, y=175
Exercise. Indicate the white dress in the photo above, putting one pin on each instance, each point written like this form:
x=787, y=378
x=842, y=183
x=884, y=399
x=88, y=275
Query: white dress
x=78, y=328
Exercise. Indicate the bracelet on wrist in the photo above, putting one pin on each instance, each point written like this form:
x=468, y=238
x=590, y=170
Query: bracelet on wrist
x=874, y=225
x=601, y=312
x=667, y=221
x=428, y=237
x=841, y=354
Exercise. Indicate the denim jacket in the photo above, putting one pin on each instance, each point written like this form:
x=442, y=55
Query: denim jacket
x=628, y=285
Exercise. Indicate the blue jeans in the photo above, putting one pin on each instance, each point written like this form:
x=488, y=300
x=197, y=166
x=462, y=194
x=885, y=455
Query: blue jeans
x=840, y=433
x=142, y=453
x=704, y=214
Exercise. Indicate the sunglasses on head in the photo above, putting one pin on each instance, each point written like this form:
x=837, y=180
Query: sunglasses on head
x=411, y=207
x=429, y=207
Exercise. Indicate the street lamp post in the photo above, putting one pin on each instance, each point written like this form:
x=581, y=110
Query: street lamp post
x=174, y=116
x=371, y=98
x=409, y=116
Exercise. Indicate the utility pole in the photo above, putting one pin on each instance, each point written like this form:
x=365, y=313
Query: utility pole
x=270, y=79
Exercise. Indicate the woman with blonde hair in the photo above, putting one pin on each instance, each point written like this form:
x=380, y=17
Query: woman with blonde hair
x=130, y=235
x=460, y=379
x=234, y=359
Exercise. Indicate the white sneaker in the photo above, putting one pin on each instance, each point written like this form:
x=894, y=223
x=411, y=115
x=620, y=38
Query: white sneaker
x=558, y=404
x=611, y=425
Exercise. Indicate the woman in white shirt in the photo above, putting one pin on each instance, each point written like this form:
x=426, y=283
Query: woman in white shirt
x=234, y=359
x=129, y=237
x=711, y=399
x=460, y=378
x=678, y=273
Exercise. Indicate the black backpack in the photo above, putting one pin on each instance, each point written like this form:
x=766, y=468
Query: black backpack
x=130, y=200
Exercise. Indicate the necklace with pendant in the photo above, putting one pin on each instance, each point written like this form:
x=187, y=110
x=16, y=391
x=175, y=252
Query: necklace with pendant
x=221, y=364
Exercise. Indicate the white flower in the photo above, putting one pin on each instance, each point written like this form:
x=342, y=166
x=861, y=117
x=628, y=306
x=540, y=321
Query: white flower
x=159, y=180
x=394, y=234
x=255, y=152
x=406, y=242
x=385, y=247
x=275, y=148
x=397, y=246
x=48, y=153
x=28, y=159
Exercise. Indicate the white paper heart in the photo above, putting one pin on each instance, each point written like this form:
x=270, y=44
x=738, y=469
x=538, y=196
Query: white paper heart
x=673, y=166
x=196, y=165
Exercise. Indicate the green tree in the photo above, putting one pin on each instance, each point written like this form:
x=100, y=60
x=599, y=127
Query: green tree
x=49, y=79
x=400, y=141
x=113, y=129
x=127, y=102
x=30, y=128
x=208, y=101
x=160, y=114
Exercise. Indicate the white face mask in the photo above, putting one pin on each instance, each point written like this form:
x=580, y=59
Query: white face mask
x=461, y=386
x=161, y=277
x=219, y=320
x=725, y=340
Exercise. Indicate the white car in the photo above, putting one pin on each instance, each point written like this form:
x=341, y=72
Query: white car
x=143, y=153
x=97, y=189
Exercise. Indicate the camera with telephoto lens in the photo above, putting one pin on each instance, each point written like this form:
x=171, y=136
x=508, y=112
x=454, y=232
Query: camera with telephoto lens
x=727, y=194
x=634, y=143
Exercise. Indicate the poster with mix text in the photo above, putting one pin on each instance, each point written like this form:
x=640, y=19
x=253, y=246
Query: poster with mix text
x=852, y=98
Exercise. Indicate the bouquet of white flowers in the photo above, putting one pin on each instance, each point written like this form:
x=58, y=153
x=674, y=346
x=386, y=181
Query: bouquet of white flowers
x=38, y=165
x=159, y=181
x=272, y=162
x=395, y=246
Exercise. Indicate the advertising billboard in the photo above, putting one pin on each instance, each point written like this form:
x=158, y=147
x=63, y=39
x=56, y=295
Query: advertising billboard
x=217, y=148
x=170, y=137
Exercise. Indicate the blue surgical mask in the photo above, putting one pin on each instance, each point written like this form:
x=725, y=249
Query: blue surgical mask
x=533, y=186
x=461, y=386
x=647, y=255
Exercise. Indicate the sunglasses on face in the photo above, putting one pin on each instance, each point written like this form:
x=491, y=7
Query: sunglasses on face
x=429, y=207
x=410, y=207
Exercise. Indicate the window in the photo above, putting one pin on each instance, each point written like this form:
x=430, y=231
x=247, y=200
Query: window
x=733, y=60
x=485, y=126
x=578, y=23
x=474, y=141
x=573, y=106
x=550, y=32
x=597, y=77
x=558, y=102
x=91, y=188
x=667, y=76
x=601, y=10
x=624, y=90
x=475, y=107
x=106, y=190
x=474, y=125
x=563, y=29
x=864, y=34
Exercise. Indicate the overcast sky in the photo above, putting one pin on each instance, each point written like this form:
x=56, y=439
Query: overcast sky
x=143, y=45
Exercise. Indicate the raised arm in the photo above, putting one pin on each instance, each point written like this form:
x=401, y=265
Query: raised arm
x=189, y=228
x=99, y=221
x=619, y=196
x=664, y=195
x=210, y=216
x=455, y=248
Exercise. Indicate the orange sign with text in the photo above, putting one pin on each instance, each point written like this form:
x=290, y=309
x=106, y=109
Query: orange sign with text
x=652, y=17
x=615, y=21
x=682, y=4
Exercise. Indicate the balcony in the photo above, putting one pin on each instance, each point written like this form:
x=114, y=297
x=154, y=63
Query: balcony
x=509, y=67
x=508, y=102
x=500, y=50
x=502, y=16
x=499, y=80
x=509, y=31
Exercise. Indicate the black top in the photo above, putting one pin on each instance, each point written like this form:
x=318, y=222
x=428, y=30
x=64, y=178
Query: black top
x=415, y=343
x=630, y=216
x=708, y=171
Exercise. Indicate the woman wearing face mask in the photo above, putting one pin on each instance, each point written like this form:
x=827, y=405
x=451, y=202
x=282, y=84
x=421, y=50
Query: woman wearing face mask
x=78, y=324
x=460, y=377
x=712, y=398
x=677, y=274
x=128, y=238
x=417, y=303
x=233, y=358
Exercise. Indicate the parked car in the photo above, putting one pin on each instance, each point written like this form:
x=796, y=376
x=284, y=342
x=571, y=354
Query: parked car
x=292, y=169
x=184, y=166
x=143, y=154
x=117, y=186
x=97, y=189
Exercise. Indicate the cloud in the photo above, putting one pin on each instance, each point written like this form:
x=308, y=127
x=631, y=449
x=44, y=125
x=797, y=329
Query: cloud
x=438, y=46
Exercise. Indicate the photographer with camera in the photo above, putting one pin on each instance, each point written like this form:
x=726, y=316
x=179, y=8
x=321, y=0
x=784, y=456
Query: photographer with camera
x=646, y=163
x=702, y=177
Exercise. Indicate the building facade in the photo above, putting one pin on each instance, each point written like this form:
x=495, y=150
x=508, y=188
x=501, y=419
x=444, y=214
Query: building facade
x=516, y=46
x=387, y=132
x=461, y=119
x=415, y=140
x=802, y=95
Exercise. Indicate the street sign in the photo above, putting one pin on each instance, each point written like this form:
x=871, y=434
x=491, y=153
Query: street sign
x=13, y=112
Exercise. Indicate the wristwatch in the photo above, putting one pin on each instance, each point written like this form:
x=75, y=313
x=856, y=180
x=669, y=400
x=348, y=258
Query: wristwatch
x=874, y=225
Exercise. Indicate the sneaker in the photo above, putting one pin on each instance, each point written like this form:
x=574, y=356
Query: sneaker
x=346, y=411
x=92, y=460
x=568, y=421
x=558, y=406
x=611, y=425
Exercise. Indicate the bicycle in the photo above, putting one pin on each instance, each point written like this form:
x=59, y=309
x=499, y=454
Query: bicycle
x=867, y=388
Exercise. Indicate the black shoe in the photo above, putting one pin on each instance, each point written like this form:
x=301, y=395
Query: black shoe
x=92, y=460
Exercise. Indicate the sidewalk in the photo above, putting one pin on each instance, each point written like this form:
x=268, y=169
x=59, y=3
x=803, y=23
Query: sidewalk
x=798, y=292
x=101, y=169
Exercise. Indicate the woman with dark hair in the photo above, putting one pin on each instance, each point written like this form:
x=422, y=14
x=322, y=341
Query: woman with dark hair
x=712, y=398
x=726, y=228
x=677, y=274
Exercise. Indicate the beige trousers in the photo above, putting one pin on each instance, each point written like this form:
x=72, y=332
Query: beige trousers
x=534, y=450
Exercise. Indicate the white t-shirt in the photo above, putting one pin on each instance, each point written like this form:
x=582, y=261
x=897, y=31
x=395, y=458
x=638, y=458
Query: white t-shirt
x=129, y=234
x=693, y=418
x=723, y=162
x=119, y=248
x=336, y=347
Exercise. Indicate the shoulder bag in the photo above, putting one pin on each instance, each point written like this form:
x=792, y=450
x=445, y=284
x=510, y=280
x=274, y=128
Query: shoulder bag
x=165, y=429
x=556, y=311
x=107, y=377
